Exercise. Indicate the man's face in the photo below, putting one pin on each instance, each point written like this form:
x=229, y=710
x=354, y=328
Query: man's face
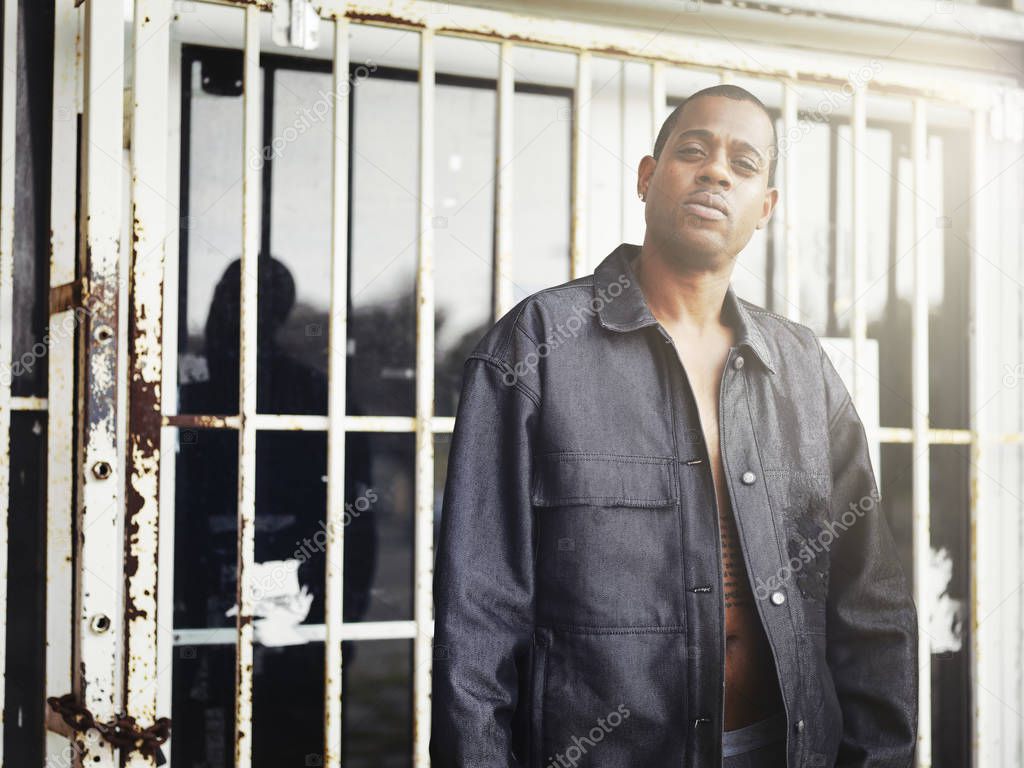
x=708, y=191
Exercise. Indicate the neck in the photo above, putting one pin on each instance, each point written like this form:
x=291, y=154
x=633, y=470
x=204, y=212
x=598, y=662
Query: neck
x=686, y=298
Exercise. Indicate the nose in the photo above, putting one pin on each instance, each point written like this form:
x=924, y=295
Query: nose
x=715, y=171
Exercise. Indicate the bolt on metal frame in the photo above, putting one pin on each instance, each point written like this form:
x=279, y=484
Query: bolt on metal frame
x=102, y=107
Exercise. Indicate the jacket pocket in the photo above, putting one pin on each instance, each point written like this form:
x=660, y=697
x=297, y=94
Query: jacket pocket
x=605, y=480
x=608, y=541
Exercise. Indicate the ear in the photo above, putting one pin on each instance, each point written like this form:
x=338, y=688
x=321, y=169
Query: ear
x=771, y=198
x=644, y=173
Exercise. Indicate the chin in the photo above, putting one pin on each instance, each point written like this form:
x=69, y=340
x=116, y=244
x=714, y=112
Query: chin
x=698, y=247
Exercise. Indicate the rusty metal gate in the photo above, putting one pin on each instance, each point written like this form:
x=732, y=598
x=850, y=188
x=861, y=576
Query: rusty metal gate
x=185, y=452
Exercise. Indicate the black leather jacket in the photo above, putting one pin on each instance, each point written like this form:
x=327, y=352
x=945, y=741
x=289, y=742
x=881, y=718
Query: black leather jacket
x=579, y=617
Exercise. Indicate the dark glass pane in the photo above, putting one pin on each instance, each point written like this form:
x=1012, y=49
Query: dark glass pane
x=464, y=201
x=29, y=344
x=288, y=706
x=203, y=706
x=377, y=704
x=442, y=448
x=291, y=531
x=384, y=232
x=291, y=528
x=205, y=527
x=26, y=585
x=896, y=486
x=948, y=630
x=295, y=297
x=380, y=527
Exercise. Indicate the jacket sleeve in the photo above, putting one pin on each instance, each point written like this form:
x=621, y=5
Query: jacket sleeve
x=872, y=620
x=484, y=576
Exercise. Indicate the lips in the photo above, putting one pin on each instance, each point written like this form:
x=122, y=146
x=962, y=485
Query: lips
x=707, y=206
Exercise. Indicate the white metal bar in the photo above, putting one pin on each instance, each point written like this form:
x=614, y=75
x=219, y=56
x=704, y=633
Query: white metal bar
x=99, y=544
x=28, y=403
x=7, y=172
x=959, y=86
x=976, y=329
x=504, y=194
x=336, y=406
x=579, y=261
x=921, y=502
x=251, y=107
x=290, y=422
x=627, y=184
x=657, y=98
x=313, y=633
x=67, y=70
x=443, y=424
x=942, y=436
x=169, y=388
x=424, y=469
x=306, y=423
x=858, y=249
x=791, y=201
x=150, y=52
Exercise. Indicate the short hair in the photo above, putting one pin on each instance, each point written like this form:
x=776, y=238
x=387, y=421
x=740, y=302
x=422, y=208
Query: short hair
x=735, y=93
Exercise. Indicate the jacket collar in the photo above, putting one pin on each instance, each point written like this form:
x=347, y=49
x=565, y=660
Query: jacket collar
x=621, y=305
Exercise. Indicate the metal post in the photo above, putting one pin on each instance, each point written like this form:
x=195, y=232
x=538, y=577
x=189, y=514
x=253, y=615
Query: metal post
x=921, y=501
x=424, y=469
x=336, y=406
x=150, y=49
x=504, y=194
x=579, y=260
x=251, y=101
x=99, y=567
x=7, y=170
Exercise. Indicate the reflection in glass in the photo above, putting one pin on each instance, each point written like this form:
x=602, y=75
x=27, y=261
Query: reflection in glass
x=464, y=262
x=384, y=221
x=211, y=222
x=541, y=205
x=288, y=705
x=290, y=523
x=299, y=165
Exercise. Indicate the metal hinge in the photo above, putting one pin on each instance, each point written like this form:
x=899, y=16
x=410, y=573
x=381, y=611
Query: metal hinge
x=296, y=24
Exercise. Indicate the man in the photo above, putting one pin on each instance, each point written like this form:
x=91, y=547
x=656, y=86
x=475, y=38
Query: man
x=661, y=543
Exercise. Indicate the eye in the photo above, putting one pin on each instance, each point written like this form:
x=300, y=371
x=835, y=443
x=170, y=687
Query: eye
x=747, y=165
x=691, y=151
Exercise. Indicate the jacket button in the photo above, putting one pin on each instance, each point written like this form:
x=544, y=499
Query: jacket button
x=799, y=726
x=738, y=362
x=778, y=598
x=748, y=478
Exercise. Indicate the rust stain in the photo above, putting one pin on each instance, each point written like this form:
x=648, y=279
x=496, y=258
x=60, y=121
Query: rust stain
x=201, y=421
x=383, y=18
